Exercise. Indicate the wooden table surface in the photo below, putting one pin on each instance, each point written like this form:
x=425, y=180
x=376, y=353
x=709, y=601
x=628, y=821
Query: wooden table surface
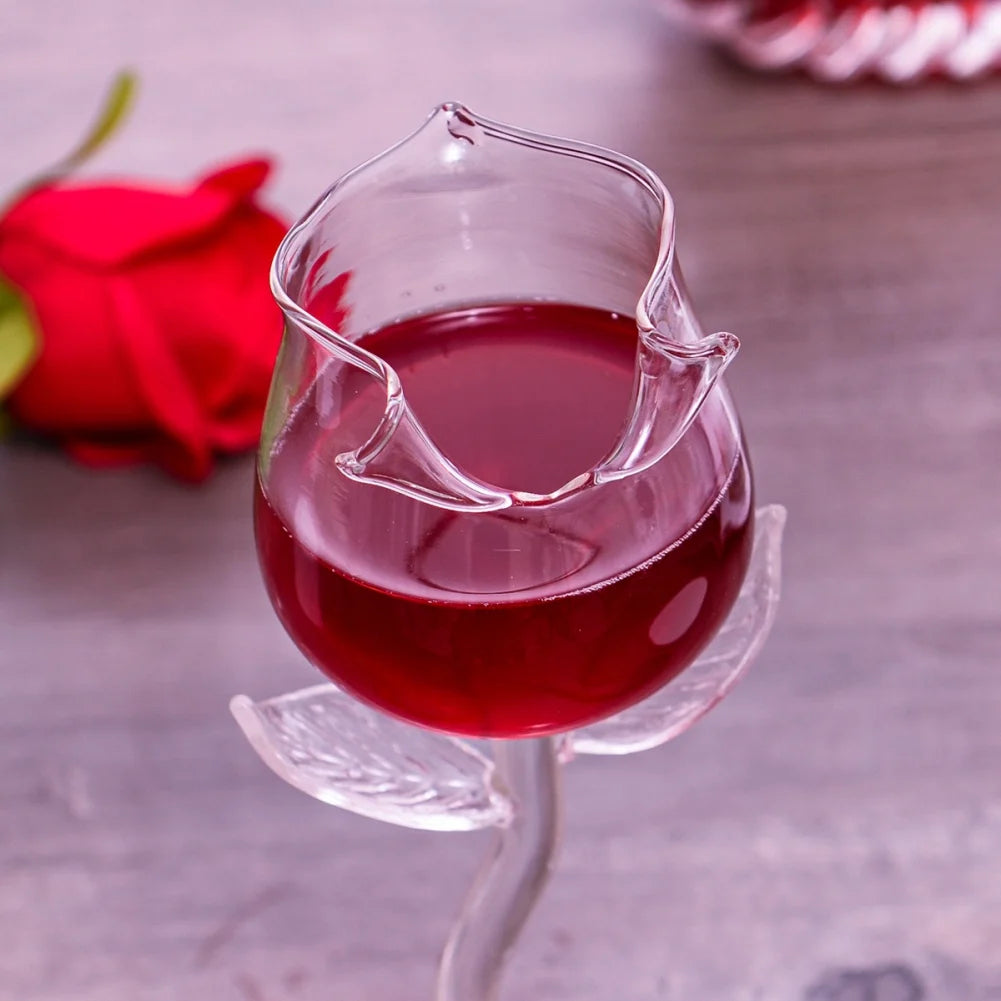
x=840, y=812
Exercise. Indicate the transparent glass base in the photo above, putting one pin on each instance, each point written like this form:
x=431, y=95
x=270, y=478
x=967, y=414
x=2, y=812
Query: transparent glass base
x=342, y=752
x=836, y=42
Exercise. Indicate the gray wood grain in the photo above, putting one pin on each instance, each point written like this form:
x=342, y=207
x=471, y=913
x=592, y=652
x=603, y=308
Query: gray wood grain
x=831, y=833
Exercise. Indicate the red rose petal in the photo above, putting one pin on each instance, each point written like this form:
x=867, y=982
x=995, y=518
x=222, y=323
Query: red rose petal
x=161, y=380
x=241, y=179
x=108, y=224
x=105, y=455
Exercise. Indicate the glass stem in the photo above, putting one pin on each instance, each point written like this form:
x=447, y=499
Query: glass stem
x=512, y=877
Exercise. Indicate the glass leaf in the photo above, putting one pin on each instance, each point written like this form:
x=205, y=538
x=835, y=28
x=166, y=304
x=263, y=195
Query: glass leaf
x=327, y=744
x=679, y=704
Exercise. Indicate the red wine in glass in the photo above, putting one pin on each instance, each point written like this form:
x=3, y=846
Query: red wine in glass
x=522, y=622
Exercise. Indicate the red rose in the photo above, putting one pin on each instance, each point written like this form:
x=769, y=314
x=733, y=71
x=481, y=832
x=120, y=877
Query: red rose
x=157, y=324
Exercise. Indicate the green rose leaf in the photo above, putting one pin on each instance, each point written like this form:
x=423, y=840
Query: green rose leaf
x=19, y=340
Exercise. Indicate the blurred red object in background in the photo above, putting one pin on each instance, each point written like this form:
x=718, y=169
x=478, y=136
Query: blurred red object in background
x=158, y=330
x=899, y=41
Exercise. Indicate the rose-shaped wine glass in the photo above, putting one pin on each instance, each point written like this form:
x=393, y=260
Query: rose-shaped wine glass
x=501, y=494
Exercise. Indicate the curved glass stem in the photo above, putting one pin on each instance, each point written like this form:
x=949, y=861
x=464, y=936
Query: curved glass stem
x=513, y=876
